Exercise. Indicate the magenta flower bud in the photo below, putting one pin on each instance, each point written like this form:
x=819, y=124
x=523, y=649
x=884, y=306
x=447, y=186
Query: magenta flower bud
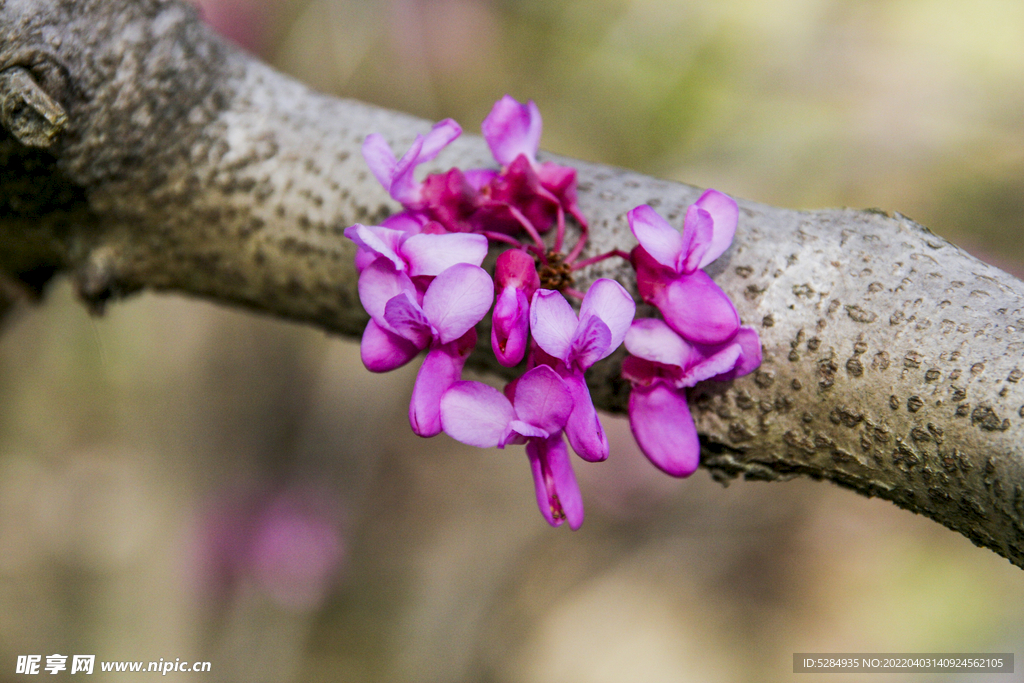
x=516, y=280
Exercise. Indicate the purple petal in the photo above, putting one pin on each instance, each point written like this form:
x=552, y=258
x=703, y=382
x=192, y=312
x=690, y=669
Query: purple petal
x=383, y=351
x=407, y=320
x=651, y=339
x=431, y=254
x=440, y=370
x=591, y=343
x=476, y=414
x=457, y=300
x=553, y=323
x=723, y=360
x=512, y=129
x=656, y=236
x=725, y=214
x=750, y=355
x=379, y=158
x=750, y=342
x=586, y=435
x=510, y=327
x=697, y=231
x=542, y=399
x=695, y=307
x=403, y=186
x=663, y=427
x=439, y=137
x=379, y=283
x=609, y=301
x=525, y=431
x=384, y=242
x=558, y=494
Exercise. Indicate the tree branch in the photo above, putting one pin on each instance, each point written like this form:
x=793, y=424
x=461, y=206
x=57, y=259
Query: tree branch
x=892, y=359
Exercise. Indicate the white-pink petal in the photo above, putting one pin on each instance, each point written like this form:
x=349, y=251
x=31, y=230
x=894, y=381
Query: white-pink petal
x=457, y=300
x=379, y=158
x=378, y=284
x=610, y=302
x=527, y=430
x=476, y=414
x=379, y=240
x=697, y=231
x=725, y=214
x=553, y=323
x=663, y=242
x=439, y=137
x=430, y=254
x=512, y=129
x=651, y=339
x=403, y=187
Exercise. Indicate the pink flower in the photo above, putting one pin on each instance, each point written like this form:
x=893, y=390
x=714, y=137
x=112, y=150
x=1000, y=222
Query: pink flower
x=538, y=190
x=668, y=265
x=512, y=130
x=442, y=321
x=605, y=315
x=397, y=176
x=479, y=415
x=662, y=366
x=516, y=280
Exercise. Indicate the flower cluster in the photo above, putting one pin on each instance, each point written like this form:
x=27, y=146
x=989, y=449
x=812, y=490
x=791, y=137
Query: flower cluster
x=422, y=283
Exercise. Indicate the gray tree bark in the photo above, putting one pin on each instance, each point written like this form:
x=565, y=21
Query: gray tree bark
x=141, y=151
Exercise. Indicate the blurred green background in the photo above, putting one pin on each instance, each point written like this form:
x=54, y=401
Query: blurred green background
x=180, y=480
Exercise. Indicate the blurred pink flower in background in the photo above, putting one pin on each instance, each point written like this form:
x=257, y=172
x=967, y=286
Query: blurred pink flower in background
x=246, y=22
x=288, y=544
x=450, y=35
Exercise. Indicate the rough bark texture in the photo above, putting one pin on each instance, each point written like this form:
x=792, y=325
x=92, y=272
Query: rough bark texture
x=140, y=151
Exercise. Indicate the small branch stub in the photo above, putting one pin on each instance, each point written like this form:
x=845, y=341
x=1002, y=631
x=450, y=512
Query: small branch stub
x=27, y=112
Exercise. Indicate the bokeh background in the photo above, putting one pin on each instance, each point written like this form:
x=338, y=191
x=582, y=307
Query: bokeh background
x=181, y=480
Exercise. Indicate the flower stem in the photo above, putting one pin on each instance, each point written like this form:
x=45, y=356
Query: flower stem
x=501, y=237
x=578, y=247
x=527, y=226
x=600, y=257
x=560, y=234
x=575, y=293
